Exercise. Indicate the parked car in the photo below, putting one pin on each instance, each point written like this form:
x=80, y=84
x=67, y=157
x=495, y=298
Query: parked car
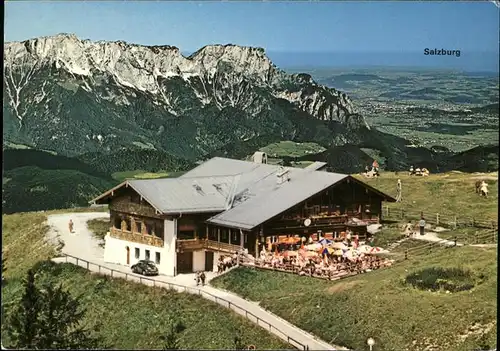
x=145, y=267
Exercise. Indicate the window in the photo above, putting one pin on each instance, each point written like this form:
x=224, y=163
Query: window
x=137, y=253
x=117, y=222
x=157, y=258
x=212, y=234
x=147, y=255
x=135, y=198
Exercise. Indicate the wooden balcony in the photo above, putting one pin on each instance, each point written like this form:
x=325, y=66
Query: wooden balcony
x=225, y=247
x=199, y=244
x=316, y=221
x=139, y=238
x=191, y=244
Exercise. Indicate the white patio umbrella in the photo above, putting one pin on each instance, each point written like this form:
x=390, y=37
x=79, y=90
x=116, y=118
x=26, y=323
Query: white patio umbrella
x=313, y=247
x=341, y=246
x=364, y=249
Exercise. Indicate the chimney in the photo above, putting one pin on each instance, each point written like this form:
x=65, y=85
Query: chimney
x=283, y=175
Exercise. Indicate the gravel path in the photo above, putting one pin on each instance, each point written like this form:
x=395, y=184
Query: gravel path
x=82, y=244
x=433, y=237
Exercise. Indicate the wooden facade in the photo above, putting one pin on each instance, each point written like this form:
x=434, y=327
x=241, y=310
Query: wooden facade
x=330, y=212
x=133, y=219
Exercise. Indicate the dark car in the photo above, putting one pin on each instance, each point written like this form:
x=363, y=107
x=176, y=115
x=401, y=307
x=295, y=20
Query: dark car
x=145, y=267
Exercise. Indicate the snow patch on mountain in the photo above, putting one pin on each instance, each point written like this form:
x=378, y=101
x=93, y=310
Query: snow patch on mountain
x=218, y=74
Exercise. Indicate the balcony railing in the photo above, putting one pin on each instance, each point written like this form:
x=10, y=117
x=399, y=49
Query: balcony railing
x=216, y=245
x=199, y=244
x=316, y=221
x=139, y=238
x=190, y=244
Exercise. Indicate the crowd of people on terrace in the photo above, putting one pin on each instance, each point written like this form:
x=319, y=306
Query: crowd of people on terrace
x=323, y=258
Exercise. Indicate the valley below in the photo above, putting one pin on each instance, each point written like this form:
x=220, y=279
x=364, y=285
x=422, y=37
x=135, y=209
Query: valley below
x=82, y=116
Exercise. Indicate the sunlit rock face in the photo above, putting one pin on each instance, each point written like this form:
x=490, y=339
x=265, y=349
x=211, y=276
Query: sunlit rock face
x=74, y=96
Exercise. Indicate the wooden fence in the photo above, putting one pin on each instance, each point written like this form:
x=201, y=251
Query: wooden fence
x=445, y=220
x=192, y=290
x=425, y=248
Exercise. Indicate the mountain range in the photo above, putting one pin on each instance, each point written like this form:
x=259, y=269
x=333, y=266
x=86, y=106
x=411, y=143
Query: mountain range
x=95, y=108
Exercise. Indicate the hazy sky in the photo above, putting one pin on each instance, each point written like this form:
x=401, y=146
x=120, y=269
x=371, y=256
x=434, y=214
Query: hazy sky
x=276, y=26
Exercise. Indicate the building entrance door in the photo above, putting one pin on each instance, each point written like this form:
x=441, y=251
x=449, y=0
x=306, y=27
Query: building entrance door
x=128, y=254
x=209, y=261
x=184, y=262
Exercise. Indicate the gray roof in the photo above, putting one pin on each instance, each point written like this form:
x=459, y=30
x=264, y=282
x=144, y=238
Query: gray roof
x=246, y=194
x=219, y=166
x=266, y=199
x=184, y=195
x=315, y=166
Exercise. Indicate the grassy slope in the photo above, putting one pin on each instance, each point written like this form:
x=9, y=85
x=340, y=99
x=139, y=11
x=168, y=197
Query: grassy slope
x=291, y=149
x=141, y=174
x=99, y=228
x=131, y=315
x=447, y=194
x=379, y=305
x=34, y=189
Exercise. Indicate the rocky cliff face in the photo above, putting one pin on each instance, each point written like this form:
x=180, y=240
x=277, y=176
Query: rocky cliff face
x=74, y=96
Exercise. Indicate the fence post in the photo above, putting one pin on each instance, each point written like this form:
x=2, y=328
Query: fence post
x=437, y=218
x=87, y=265
x=77, y=261
x=66, y=259
x=402, y=213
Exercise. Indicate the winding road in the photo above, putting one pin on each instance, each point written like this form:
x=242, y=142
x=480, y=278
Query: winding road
x=82, y=244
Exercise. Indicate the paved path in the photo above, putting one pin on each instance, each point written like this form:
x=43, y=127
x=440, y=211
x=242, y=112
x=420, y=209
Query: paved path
x=432, y=237
x=82, y=244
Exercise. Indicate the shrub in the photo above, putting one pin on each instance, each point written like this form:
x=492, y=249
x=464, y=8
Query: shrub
x=436, y=278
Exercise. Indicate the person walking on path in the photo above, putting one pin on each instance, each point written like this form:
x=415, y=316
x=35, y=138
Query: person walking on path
x=70, y=225
x=399, y=196
x=202, y=278
x=421, y=224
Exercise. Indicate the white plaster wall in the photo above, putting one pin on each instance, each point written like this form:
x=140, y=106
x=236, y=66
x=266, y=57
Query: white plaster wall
x=170, y=235
x=115, y=251
x=199, y=260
